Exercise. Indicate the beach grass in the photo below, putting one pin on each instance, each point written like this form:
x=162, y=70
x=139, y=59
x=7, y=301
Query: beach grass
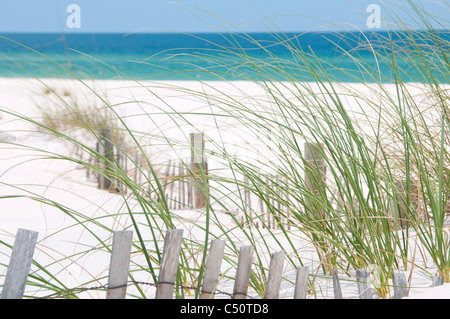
x=384, y=144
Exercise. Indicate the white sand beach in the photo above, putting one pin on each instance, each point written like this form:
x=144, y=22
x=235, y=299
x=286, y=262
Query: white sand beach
x=28, y=169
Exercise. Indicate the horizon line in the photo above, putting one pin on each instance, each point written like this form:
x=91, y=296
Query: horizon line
x=209, y=32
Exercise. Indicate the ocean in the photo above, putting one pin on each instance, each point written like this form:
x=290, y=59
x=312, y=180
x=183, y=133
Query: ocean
x=339, y=57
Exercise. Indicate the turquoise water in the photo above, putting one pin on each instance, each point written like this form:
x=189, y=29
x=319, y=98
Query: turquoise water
x=208, y=56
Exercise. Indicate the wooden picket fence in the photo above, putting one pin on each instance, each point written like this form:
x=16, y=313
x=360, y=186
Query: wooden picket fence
x=181, y=192
x=174, y=175
x=179, y=187
x=25, y=242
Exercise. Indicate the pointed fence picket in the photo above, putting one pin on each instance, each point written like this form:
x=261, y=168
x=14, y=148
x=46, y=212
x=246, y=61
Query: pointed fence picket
x=25, y=242
x=19, y=264
x=169, y=264
x=212, y=269
x=119, y=266
x=336, y=285
x=301, y=283
x=275, y=275
x=243, y=272
x=400, y=285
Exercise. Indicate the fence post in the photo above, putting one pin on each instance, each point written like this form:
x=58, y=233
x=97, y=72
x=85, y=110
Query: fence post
x=212, y=269
x=169, y=264
x=19, y=264
x=121, y=160
x=336, y=285
x=437, y=281
x=181, y=199
x=261, y=210
x=274, y=203
x=199, y=166
x=400, y=287
x=275, y=275
x=137, y=167
x=119, y=265
x=105, y=150
x=362, y=277
x=268, y=215
x=166, y=181
x=301, y=283
x=243, y=272
x=247, y=202
x=170, y=193
x=278, y=195
x=315, y=170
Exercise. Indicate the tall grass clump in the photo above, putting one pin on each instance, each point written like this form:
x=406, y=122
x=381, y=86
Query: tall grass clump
x=376, y=185
x=382, y=137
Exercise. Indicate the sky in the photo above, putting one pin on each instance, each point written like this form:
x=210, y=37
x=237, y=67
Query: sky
x=97, y=16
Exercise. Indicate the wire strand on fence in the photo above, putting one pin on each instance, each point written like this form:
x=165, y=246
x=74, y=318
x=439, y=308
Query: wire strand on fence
x=75, y=291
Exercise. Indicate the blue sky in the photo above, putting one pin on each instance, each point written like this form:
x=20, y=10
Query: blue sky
x=192, y=16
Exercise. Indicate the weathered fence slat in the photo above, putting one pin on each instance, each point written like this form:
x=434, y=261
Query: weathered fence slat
x=169, y=194
x=199, y=166
x=362, y=277
x=138, y=168
x=268, y=215
x=301, y=283
x=120, y=263
x=336, y=285
x=437, y=281
x=262, y=213
x=166, y=181
x=212, y=269
x=181, y=199
x=315, y=176
x=275, y=275
x=247, y=202
x=315, y=170
x=400, y=287
x=121, y=160
x=25, y=242
x=278, y=196
x=169, y=264
x=106, y=151
x=19, y=264
x=243, y=272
